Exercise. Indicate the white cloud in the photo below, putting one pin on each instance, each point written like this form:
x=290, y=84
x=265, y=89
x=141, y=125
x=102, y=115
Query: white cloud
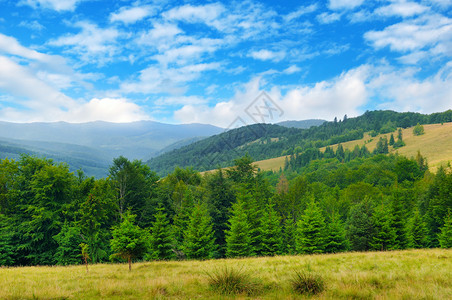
x=267, y=55
x=58, y=5
x=92, y=43
x=327, y=18
x=131, y=14
x=181, y=100
x=302, y=10
x=432, y=33
x=292, y=69
x=33, y=25
x=345, y=4
x=402, y=8
x=195, y=14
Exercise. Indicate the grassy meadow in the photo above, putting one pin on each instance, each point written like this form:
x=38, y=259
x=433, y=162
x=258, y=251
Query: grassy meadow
x=409, y=274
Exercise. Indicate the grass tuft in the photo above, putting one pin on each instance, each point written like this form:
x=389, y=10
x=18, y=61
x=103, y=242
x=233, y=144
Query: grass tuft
x=307, y=283
x=229, y=281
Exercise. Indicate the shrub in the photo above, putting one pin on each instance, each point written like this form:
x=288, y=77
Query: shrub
x=229, y=281
x=307, y=283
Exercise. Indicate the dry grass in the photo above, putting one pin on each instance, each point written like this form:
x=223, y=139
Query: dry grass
x=412, y=274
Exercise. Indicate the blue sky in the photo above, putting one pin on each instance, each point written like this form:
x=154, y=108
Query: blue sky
x=207, y=61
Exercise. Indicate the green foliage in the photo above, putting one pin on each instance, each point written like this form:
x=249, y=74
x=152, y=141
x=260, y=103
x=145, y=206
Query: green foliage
x=307, y=283
x=289, y=235
x=335, y=238
x=418, y=129
x=161, y=239
x=360, y=227
x=417, y=231
x=382, y=146
x=270, y=231
x=7, y=245
x=199, y=241
x=391, y=140
x=238, y=236
x=68, y=252
x=129, y=241
x=445, y=237
x=311, y=230
x=384, y=235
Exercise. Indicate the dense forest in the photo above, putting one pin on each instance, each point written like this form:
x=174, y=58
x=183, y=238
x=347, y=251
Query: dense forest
x=263, y=141
x=373, y=201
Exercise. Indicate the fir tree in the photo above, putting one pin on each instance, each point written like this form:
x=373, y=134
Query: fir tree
x=271, y=238
x=418, y=233
x=289, y=235
x=359, y=226
x=160, y=242
x=238, y=237
x=445, y=237
x=336, y=240
x=384, y=237
x=391, y=140
x=199, y=241
x=399, y=222
x=311, y=230
x=181, y=220
x=129, y=240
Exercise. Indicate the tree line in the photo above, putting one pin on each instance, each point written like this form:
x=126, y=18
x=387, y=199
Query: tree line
x=328, y=205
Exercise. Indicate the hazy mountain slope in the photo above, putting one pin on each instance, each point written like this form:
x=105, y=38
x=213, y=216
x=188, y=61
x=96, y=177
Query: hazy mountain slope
x=304, y=124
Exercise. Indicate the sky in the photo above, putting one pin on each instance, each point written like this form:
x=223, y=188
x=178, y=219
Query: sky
x=222, y=63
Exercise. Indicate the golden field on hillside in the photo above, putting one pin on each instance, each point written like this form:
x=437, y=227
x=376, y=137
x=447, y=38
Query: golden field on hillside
x=409, y=274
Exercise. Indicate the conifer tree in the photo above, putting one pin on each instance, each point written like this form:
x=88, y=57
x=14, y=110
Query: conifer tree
x=199, y=241
x=359, y=226
x=160, y=242
x=445, y=237
x=129, y=240
x=270, y=231
x=289, y=235
x=181, y=220
x=238, y=237
x=384, y=237
x=399, y=222
x=68, y=251
x=336, y=240
x=391, y=140
x=311, y=230
x=418, y=233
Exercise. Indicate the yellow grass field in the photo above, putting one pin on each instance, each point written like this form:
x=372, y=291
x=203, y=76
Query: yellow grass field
x=409, y=274
x=435, y=145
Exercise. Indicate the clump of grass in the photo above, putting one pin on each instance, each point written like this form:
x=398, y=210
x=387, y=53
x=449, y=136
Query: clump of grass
x=229, y=281
x=307, y=283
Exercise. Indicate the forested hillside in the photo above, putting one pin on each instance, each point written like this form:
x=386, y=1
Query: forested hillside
x=263, y=141
x=371, y=202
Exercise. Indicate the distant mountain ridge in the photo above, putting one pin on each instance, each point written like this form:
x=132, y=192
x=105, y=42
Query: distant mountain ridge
x=304, y=124
x=92, y=146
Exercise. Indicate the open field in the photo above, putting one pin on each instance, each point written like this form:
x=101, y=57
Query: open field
x=435, y=144
x=409, y=274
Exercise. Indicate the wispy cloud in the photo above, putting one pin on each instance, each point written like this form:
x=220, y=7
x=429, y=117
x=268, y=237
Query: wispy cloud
x=128, y=15
x=58, y=5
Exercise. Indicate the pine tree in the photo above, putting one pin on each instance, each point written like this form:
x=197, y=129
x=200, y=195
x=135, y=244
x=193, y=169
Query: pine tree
x=161, y=240
x=181, y=220
x=399, y=222
x=199, y=241
x=336, y=240
x=391, y=140
x=289, y=235
x=445, y=237
x=384, y=237
x=418, y=233
x=311, y=230
x=238, y=237
x=359, y=226
x=271, y=238
x=129, y=240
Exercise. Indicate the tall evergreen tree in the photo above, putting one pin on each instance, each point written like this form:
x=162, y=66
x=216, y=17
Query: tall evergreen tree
x=270, y=231
x=445, y=237
x=68, y=251
x=359, y=226
x=161, y=240
x=199, y=241
x=335, y=239
x=391, y=140
x=399, y=221
x=384, y=235
x=289, y=235
x=238, y=236
x=311, y=230
x=418, y=233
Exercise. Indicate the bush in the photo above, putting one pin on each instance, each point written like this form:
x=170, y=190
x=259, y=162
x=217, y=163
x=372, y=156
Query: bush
x=230, y=281
x=307, y=283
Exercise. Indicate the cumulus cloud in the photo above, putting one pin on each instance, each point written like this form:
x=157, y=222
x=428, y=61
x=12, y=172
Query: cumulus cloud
x=128, y=15
x=402, y=8
x=265, y=54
